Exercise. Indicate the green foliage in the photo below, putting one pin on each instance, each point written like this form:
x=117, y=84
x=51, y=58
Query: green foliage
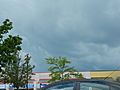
x=9, y=45
x=5, y=27
x=60, y=69
x=19, y=72
x=13, y=68
x=77, y=75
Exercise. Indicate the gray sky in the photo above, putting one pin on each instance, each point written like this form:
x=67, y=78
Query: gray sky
x=84, y=31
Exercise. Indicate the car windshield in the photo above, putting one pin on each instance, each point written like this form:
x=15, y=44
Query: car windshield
x=93, y=86
x=65, y=86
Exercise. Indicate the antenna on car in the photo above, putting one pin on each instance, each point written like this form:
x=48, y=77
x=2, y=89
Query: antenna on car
x=112, y=72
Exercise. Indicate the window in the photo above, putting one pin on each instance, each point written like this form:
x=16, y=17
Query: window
x=69, y=86
x=93, y=86
x=114, y=87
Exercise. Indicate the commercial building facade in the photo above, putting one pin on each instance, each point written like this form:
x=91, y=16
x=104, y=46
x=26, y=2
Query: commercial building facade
x=43, y=77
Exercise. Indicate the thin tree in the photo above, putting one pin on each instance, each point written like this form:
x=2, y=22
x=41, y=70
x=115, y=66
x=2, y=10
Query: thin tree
x=19, y=72
x=28, y=68
x=60, y=69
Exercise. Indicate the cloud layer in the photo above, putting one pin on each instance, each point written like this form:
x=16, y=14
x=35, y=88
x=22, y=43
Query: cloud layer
x=87, y=32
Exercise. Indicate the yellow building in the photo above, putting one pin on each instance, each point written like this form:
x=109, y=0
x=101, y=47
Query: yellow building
x=43, y=77
x=105, y=74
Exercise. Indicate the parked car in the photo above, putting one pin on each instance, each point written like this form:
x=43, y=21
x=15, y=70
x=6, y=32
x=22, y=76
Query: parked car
x=83, y=85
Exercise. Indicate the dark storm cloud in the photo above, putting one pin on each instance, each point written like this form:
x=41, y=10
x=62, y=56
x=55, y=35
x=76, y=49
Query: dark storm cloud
x=85, y=31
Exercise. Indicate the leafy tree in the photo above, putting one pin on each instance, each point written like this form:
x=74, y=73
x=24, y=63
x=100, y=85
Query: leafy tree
x=60, y=69
x=19, y=72
x=27, y=67
x=13, y=68
x=9, y=45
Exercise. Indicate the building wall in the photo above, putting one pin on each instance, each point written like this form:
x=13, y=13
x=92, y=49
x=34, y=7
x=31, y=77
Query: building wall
x=104, y=74
x=43, y=77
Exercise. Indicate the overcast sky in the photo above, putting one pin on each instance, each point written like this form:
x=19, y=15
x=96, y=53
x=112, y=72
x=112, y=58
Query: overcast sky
x=87, y=32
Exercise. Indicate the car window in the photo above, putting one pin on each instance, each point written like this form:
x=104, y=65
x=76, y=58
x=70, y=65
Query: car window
x=69, y=86
x=93, y=86
x=114, y=88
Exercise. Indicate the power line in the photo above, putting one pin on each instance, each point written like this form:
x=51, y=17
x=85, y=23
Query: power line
x=112, y=72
